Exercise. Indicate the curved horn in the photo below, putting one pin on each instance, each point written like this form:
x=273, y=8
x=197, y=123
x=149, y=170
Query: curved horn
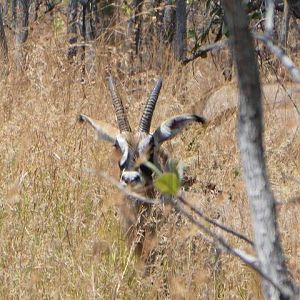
x=146, y=118
x=118, y=106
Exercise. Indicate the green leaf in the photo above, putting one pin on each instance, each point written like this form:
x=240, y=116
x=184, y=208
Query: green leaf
x=168, y=183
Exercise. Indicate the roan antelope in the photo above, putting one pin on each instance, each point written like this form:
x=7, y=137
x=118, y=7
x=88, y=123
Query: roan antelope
x=136, y=147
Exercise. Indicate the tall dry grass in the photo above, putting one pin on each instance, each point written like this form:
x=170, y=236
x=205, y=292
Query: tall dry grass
x=60, y=235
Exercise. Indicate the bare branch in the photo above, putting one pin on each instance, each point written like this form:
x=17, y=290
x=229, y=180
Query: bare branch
x=217, y=224
x=133, y=196
x=202, y=51
x=247, y=259
x=282, y=57
x=293, y=200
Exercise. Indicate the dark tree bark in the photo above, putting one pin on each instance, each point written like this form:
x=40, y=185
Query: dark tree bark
x=133, y=34
x=89, y=34
x=250, y=134
x=169, y=22
x=20, y=22
x=134, y=26
x=72, y=28
x=181, y=22
x=14, y=13
x=3, y=48
x=83, y=23
x=37, y=4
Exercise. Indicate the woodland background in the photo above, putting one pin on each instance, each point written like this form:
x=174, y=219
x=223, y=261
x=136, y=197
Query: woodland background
x=58, y=221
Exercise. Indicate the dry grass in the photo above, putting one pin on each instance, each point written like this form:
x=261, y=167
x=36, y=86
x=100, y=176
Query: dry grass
x=59, y=225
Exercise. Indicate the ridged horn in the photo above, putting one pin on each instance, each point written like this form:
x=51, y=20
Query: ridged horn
x=123, y=123
x=146, y=118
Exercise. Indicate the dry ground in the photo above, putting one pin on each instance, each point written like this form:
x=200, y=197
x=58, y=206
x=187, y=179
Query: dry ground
x=60, y=235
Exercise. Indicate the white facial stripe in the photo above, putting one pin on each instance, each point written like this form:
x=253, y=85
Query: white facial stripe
x=124, y=149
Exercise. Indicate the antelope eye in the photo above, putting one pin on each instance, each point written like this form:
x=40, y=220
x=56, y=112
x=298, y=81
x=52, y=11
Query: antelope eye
x=117, y=146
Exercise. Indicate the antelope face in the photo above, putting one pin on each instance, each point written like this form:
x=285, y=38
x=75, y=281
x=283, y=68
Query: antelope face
x=136, y=148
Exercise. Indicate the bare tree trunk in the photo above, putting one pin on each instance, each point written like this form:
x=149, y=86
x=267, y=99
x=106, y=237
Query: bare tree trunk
x=21, y=19
x=91, y=27
x=133, y=34
x=250, y=132
x=5, y=11
x=14, y=13
x=3, y=49
x=181, y=20
x=72, y=28
x=134, y=31
x=169, y=22
x=283, y=36
x=37, y=4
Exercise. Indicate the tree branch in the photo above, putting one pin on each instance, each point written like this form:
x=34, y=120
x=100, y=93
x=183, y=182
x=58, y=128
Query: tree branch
x=217, y=224
x=282, y=57
x=202, y=51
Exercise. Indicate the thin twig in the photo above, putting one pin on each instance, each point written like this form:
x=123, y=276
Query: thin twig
x=248, y=260
x=205, y=49
x=133, y=196
x=217, y=224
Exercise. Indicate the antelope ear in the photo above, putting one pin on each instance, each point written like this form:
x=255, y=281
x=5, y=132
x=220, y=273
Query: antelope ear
x=103, y=130
x=172, y=126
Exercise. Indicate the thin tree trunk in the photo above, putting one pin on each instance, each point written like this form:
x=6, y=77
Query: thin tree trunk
x=14, y=13
x=181, y=44
x=181, y=20
x=89, y=36
x=72, y=28
x=169, y=22
x=37, y=4
x=283, y=36
x=3, y=49
x=21, y=30
x=250, y=133
x=134, y=33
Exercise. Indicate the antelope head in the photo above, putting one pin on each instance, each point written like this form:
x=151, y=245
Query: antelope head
x=137, y=147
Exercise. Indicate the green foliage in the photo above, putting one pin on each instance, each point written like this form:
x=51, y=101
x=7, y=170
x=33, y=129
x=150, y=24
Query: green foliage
x=168, y=183
x=127, y=9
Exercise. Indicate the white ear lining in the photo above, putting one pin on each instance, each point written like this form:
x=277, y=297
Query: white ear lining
x=103, y=130
x=124, y=149
x=173, y=126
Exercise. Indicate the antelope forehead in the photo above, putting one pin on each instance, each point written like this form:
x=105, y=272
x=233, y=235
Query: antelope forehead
x=145, y=144
x=132, y=147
